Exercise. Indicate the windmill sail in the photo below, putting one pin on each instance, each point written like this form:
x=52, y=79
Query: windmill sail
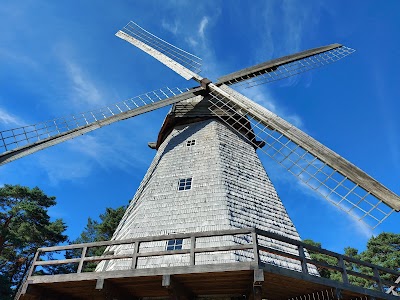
x=184, y=63
x=327, y=173
x=286, y=66
x=18, y=142
x=315, y=165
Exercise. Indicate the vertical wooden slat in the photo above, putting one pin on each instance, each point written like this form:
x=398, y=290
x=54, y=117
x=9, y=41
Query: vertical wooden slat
x=83, y=255
x=134, y=255
x=303, y=261
x=32, y=269
x=192, y=247
x=255, y=249
x=343, y=271
x=378, y=279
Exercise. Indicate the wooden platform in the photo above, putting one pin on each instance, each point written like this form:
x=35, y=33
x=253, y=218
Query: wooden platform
x=250, y=279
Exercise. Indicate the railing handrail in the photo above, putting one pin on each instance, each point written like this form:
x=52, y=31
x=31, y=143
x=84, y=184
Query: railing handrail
x=149, y=239
x=304, y=260
x=281, y=238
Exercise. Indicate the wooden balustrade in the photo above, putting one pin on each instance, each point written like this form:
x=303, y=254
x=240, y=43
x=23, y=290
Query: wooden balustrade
x=346, y=266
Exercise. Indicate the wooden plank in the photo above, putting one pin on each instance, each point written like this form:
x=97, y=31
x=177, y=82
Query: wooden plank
x=192, y=253
x=143, y=272
x=213, y=233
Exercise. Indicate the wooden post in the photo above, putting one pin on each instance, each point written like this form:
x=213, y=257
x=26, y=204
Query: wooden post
x=134, y=255
x=338, y=293
x=378, y=279
x=255, y=249
x=342, y=265
x=32, y=269
x=83, y=255
x=258, y=281
x=303, y=261
x=176, y=290
x=192, y=248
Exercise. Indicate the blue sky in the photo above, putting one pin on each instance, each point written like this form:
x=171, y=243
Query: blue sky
x=59, y=58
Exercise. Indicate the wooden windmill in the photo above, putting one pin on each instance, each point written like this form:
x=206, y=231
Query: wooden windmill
x=206, y=220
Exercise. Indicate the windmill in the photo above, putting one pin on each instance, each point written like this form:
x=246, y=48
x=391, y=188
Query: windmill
x=206, y=175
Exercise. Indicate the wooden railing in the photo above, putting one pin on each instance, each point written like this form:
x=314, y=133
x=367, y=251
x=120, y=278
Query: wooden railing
x=352, y=271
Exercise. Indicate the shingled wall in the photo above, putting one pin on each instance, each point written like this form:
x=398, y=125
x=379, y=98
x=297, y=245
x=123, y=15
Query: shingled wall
x=230, y=189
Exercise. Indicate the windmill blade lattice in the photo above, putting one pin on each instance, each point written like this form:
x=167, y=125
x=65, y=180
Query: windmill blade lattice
x=21, y=141
x=184, y=63
x=340, y=182
x=287, y=66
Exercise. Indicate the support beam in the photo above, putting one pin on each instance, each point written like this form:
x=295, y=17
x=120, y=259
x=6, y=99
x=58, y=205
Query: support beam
x=256, y=289
x=176, y=290
x=107, y=290
x=338, y=294
x=38, y=292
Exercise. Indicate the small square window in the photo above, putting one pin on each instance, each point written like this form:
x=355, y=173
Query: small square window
x=185, y=184
x=191, y=143
x=174, y=244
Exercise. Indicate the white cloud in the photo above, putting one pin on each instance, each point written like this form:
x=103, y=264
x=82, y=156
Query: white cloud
x=9, y=119
x=171, y=27
x=109, y=150
x=62, y=166
x=82, y=87
x=202, y=26
x=264, y=97
x=192, y=42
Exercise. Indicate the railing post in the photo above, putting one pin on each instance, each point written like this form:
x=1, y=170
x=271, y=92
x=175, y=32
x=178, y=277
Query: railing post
x=378, y=279
x=32, y=269
x=192, y=253
x=303, y=261
x=342, y=265
x=255, y=249
x=134, y=255
x=83, y=255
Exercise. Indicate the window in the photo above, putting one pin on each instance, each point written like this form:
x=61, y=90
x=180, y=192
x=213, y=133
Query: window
x=185, y=184
x=191, y=143
x=174, y=244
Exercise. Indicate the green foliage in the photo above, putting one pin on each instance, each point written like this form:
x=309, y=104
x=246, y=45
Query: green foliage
x=98, y=231
x=24, y=226
x=323, y=272
x=382, y=250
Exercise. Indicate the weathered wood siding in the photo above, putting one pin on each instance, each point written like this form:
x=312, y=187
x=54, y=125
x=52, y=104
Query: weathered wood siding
x=230, y=189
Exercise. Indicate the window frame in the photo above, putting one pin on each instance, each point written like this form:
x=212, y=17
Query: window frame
x=183, y=184
x=174, y=244
x=190, y=143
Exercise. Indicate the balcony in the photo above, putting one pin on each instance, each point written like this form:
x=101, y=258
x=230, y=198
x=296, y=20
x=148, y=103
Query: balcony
x=249, y=276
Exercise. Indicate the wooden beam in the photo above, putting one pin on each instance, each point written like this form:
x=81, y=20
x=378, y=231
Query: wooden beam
x=42, y=293
x=176, y=290
x=257, y=284
x=107, y=290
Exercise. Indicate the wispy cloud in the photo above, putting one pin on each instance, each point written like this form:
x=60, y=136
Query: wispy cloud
x=263, y=96
x=171, y=27
x=202, y=27
x=9, y=119
x=351, y=221
x=104, y=152
x=62, y=166
x=15, y=57
x=290, y=28
x=83, y=89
